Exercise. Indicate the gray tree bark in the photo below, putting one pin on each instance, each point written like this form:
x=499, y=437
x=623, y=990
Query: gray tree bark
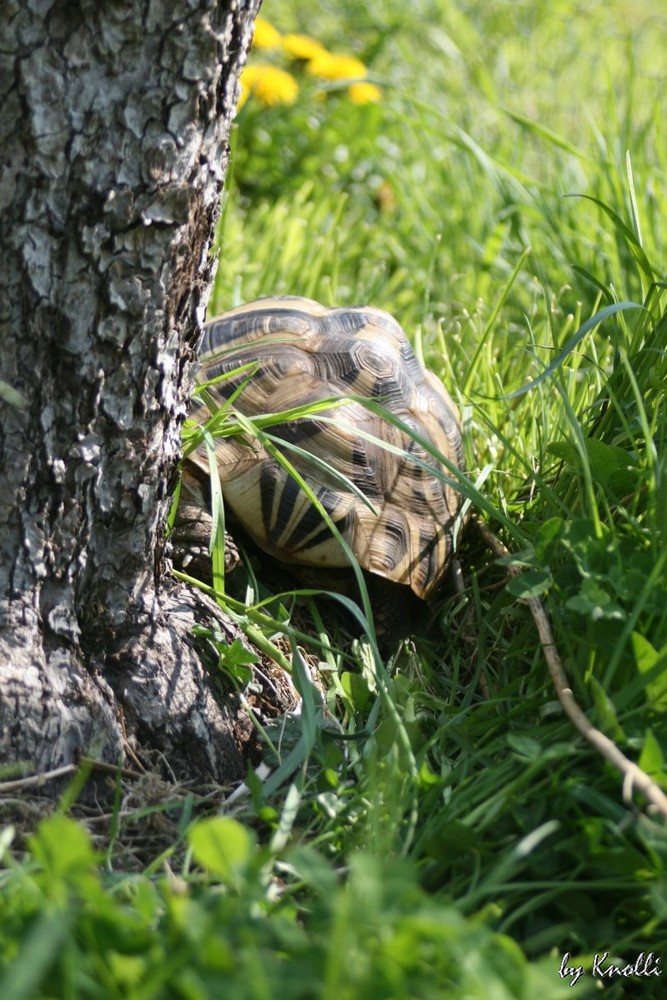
x=114, y=120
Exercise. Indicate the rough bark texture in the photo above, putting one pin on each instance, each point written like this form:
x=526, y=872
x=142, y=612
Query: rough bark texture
x=114, y=119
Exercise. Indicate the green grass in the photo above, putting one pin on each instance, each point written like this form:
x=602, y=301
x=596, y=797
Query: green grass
x=434, y=826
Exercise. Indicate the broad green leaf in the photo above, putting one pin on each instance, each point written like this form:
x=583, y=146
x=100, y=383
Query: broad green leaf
x=42, y=944
x=356, y=689
x=645, y=655
x=653, y=666
x=606, y=712
x=652, y=759
x=530, y=584
x=237, y=654
x=594, y=602
x=223, y=846
x=547, y=538
x=426, y=776
x=525, y=746
x=62, y=846
x=566, y=452
x=235, y=660
x=128, y=970
x=610, y=465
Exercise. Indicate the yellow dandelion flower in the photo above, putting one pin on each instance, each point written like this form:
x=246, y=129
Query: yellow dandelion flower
x=336, y=67
x=266, y=36
x=247, y=81
x=364, y=93
x=302, y=47
x=243, y=95
x=249, y=77
x=269, y=84
x=249, y=74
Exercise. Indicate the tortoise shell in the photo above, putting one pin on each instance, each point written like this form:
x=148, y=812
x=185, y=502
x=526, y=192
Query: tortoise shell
x=303, y=353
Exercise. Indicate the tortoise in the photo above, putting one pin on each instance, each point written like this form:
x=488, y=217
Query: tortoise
x=293, y=351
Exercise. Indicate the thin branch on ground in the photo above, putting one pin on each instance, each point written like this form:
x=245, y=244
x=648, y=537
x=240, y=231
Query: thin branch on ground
x=31, y=780
x=633, y=776
x=36, y=779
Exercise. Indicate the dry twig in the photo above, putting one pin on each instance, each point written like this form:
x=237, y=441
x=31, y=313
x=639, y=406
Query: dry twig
x=31, y=780
x=633, y=776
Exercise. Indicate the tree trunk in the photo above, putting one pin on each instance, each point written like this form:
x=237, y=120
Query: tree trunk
x=114, y=120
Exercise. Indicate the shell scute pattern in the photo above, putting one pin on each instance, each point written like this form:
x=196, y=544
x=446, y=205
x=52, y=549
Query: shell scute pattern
x=305, y=352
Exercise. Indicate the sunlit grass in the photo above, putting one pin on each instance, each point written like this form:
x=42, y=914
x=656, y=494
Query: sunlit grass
x=505, y=200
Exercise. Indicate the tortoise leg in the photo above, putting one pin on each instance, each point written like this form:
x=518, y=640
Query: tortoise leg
x=191, y=539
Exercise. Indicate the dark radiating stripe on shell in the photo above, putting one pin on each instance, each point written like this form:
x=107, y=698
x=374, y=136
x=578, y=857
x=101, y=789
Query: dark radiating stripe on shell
x=311, y=529
x=410, y=363
x=323, y=535
x=232, y=330
x=382, y=387
x=365, y=476
x=346, y=321
x=338, y=367
x=348, y=375
x=311, y=521
x=428, y=547
x=399, y=545
x=289, y=495
x=267, y=486
x=296, y=431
